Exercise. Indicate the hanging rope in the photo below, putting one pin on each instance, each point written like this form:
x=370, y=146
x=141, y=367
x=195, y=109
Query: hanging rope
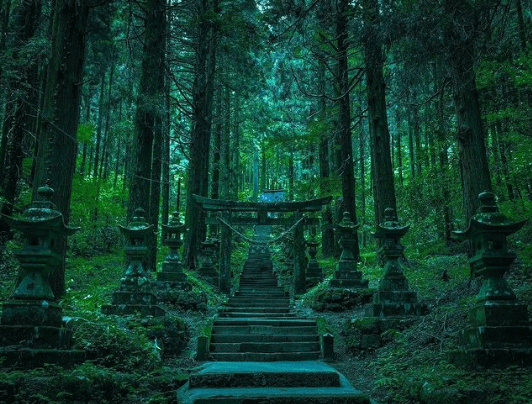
x=249, y=240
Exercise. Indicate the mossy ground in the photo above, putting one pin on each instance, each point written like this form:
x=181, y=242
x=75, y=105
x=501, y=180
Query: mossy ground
x=126, y=365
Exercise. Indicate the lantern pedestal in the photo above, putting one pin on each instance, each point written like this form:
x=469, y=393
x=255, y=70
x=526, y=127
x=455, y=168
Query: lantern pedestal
x=32, y=332
x=347, y=275
x=314, y=272
x=394, y=304
x=499, y=333
x=135, y=295
x=207, y=270
x=172, y=276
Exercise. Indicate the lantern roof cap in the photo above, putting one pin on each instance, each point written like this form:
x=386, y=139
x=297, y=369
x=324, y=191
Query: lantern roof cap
x=390, y=227
x=346, y=222
x=41, y=215
x=489, y=219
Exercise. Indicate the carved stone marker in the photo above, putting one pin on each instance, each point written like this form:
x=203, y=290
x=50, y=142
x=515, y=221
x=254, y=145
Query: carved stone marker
x=393, y=297
x=314, y=272
x=499, y=332
x=172, y=275
x=347, y=275
x=31, y=330
x=136, y=288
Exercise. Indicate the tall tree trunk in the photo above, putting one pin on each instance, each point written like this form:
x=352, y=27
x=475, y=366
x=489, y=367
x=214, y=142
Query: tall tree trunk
x=381, y=163
x=460, y=44
x=198, y=170
x=24, y=86
x=144, y=189
x=57, y=145
x=344, y=118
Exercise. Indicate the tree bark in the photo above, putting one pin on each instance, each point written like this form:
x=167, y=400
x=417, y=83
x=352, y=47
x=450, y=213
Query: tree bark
x=344, y=118
x=21, y=122
x=198, y=170
x=471, y=135
x=57, y=145
x=144, y=190
x=381, y=163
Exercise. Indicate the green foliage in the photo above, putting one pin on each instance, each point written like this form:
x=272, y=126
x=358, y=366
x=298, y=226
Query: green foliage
x=89, y=383
x=113, y=345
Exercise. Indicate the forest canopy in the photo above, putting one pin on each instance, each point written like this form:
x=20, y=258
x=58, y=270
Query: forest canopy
x=418, y=105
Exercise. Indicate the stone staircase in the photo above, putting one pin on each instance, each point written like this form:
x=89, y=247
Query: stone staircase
x=257, y=324
x=262, y=352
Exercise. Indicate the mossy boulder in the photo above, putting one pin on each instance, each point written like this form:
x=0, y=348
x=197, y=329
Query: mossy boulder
x=373, y=332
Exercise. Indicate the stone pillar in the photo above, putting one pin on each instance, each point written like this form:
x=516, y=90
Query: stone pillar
x=225, y=256
x=499, y=333
x=393, y=298
x=31, y=325
x=300, y=286
x=347, y=275
x=172, y=275
x=136, y=288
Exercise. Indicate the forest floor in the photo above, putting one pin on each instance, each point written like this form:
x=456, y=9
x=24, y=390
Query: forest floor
x=410, y=368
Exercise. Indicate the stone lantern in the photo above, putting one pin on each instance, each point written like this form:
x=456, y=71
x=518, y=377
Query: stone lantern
x=314, y=272
x=136, y=288
x=31, y=326
x=393, y=297
x=347, y=275
x=498, y=322
x=172, y=275
x=42, y=228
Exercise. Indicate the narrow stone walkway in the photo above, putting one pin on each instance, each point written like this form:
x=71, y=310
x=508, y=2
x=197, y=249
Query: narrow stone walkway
x=262, y=352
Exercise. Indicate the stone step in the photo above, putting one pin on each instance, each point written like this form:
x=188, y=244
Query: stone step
x=282, y=374
x=297, y=322
x=263, y=338
x=265, y=356
x=256, y=309
x=263, y=330
x=239, y=314
x=265, y=347
x=261, y=303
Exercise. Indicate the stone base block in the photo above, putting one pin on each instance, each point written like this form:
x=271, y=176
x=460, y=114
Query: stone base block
x=26, y=358
x=129, y=309
x=390, y=309
x=134, y=298
x=367, y=332
x=177, y=277
x=503, y=313
x=170, y=285
x=477, y=359
x=349, y=283
x=31, y=312
x=35, y=336
x=516, y=337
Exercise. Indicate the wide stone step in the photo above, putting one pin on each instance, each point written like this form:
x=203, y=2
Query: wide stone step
x=263, y=330
x=265, y=347
x=260, y=307
x=239, y=314
x=296, y=322
x=263, y=338
x=269, y=300
x=265, y=356
x=259, y=374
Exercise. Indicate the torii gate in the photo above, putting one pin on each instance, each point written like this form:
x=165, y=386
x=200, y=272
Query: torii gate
x=257, y=214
